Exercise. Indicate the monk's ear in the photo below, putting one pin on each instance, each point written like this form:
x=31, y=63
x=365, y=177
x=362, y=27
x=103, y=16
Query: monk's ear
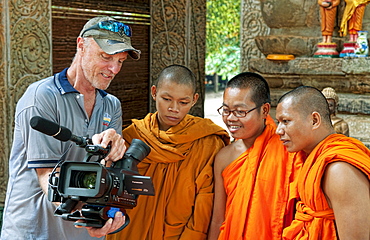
x=154, y=92
x=195, y=98
x=316, y=120
x=266, y=109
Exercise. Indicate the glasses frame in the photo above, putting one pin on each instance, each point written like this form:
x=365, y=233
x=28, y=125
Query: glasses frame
x=233, y=112
x=113, y=26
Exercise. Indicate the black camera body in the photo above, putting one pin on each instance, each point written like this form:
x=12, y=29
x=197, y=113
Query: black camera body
x=105, y=190
x=102, y=190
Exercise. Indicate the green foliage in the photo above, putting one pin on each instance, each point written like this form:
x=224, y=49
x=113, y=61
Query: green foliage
x=223, y=42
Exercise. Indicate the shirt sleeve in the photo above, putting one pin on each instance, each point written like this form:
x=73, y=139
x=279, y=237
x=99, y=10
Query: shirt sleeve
x=43, y=151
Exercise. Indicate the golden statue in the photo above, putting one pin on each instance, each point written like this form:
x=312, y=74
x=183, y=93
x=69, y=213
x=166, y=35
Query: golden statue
x=351, y=21
x=340, y=126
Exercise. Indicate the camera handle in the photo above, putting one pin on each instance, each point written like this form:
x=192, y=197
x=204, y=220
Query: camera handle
x=96, y=216
x=96, y=150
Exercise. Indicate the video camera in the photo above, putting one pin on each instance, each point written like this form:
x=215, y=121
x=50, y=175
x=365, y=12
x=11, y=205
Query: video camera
x=105, y=190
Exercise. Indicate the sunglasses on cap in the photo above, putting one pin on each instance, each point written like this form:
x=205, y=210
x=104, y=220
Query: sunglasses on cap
x=112, y=26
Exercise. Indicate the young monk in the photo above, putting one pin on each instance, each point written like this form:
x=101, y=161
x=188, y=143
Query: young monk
x=334, y=181
x=180, y=163
x=253, y=174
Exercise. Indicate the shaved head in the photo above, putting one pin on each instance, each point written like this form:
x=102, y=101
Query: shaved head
x=178, y=74
x=307, y=100
x=255, y=82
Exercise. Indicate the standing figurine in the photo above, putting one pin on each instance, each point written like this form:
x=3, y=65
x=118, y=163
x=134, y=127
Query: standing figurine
x=351, y=23
x=328, y=13
x=352, y=18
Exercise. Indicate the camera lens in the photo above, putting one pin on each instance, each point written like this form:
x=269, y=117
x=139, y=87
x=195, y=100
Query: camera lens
x=89, y=180
x=83, y=179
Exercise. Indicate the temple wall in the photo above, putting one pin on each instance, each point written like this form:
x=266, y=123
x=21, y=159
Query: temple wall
x=25, y=41
x=293, y=27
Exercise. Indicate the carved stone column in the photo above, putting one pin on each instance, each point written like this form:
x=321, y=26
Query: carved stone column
x=251, y=26
x=25, y=48
x=178, y=28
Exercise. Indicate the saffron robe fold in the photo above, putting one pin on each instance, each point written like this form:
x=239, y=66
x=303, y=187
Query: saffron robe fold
x=314, y=218
x=348, y=14
x=258, y=185
x=180, y=165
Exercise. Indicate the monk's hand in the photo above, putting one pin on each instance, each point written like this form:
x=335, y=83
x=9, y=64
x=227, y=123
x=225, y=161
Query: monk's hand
x=116, y=142
x=109, y=227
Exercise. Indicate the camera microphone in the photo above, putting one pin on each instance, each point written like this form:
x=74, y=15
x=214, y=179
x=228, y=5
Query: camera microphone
x=53, y=129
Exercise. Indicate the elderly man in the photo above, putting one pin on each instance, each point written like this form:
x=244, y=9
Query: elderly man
x=74, y=98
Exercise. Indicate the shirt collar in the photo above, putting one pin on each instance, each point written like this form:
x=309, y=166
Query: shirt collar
x=66, y=87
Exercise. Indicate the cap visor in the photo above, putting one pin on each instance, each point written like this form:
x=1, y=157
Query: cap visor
x=113, y=47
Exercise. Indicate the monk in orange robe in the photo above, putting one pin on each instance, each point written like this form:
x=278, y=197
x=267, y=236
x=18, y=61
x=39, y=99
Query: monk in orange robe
x=180, y=163
x=253, y=175
x=333, y=183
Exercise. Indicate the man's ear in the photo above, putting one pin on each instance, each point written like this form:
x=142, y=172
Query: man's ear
x=80, y=44
x=316, y=120
x=154, y=92
x=195, y=98
x=266, y=109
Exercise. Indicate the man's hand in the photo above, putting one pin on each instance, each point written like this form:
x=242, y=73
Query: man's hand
x=110, y=137
x=110, y=226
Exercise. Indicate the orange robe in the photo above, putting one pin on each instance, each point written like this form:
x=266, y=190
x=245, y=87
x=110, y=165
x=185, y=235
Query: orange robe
x=257, y=185
x=181, y=167
x=353, y=16
x=314, y=218
x=328, y=17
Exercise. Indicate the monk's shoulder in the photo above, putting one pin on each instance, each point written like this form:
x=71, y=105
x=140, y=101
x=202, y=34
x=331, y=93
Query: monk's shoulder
x=229, y=153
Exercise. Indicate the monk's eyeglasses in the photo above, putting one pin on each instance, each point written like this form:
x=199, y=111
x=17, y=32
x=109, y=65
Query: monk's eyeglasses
x=237, y=113
x=113, y=26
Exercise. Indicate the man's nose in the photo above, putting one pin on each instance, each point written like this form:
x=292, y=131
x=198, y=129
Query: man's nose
x=279, y=130
x=115, y=67
x=232, y=117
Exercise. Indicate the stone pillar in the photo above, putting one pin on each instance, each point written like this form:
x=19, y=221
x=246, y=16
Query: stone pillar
x=25, y=48
x=251, y=26
x=178, y=28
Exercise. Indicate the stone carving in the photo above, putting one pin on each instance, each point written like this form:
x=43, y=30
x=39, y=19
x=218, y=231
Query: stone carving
x=340, y=126
x=178, y=30
x=252, y=25
x=31, y=47
x=4, y=125
x=27, y=59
